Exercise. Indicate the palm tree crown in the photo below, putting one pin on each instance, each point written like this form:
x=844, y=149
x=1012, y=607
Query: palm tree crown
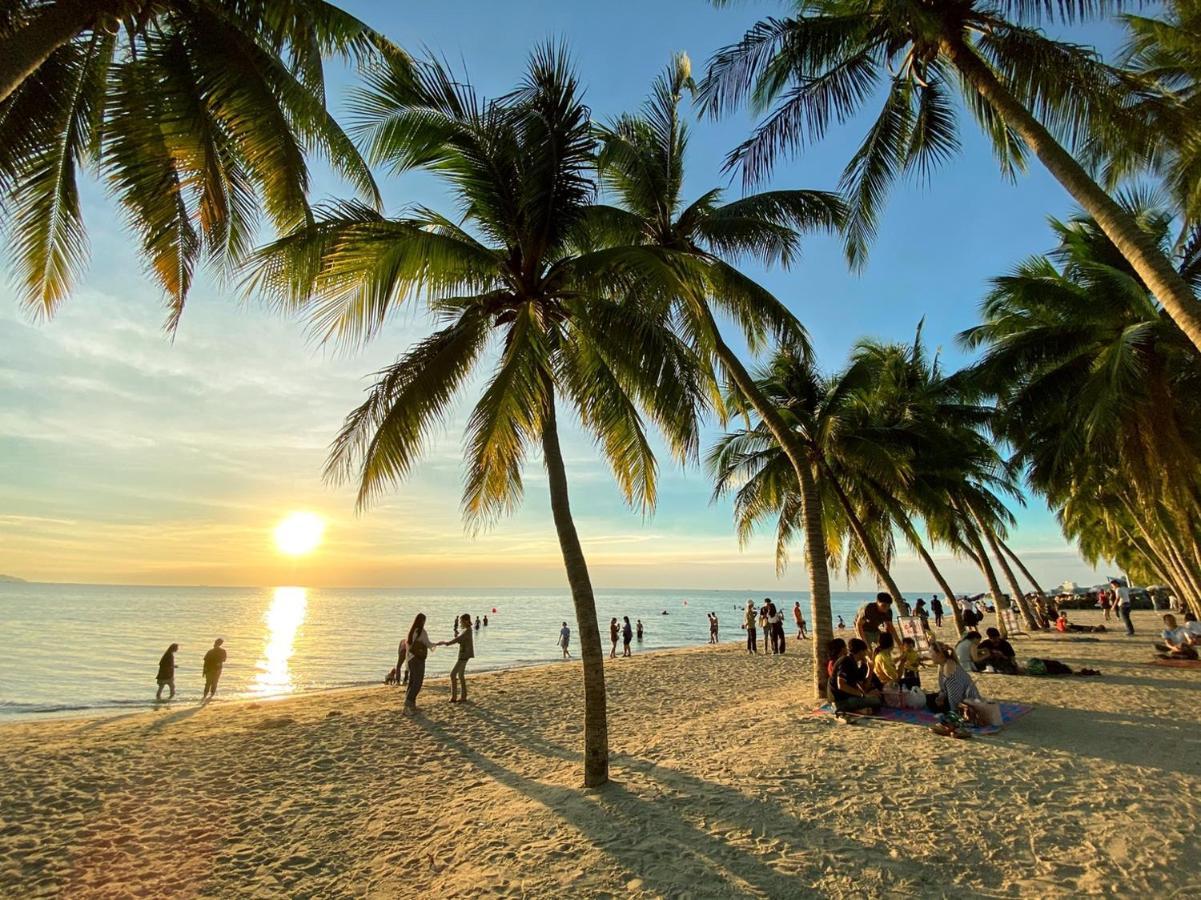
x=195, y=113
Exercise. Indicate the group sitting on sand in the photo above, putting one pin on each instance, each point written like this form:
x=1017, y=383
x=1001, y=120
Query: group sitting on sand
x=1179, y=641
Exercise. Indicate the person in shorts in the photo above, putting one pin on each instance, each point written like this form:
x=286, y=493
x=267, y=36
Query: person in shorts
x=214, y=662
x=851, y=689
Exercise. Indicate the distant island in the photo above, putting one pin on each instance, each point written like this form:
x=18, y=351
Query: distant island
x=12, y=579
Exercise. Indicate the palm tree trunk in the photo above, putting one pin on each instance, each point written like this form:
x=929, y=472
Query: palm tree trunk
x=811, y=509
x=1152, y=266
x=596, y=724
x=1019, y=596
x=52, y=26
x=956, y=612
x=1046, y=602
x=866, y=541
x=819, y=576
x=990, y=576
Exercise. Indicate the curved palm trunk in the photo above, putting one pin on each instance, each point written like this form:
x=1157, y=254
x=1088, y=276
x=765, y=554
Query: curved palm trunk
x=52, y=26
x=811, y=509
x=1019, y=596
x=596, y=724
x=1152, y=266
x=956, y=612
x=1046, y=603
x=990, y=576
x=866, y=541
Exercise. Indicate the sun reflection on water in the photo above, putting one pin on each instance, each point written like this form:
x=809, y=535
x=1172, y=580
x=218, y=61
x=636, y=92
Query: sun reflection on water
x=283, y=619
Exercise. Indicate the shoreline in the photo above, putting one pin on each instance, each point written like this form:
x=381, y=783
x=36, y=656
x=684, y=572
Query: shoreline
x=723, y=784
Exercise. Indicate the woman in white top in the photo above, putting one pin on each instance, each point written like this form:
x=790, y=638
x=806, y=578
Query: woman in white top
x=419, y=647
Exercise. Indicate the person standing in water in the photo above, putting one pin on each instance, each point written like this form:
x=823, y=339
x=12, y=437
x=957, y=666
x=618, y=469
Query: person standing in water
x=166, y=672
x=565, y=640
x=477, y=623
x=485, y=621
x=713, y=638
x=638, y=628
x=627, y=635
x=419, y=648
x=614, y=631
x=458, y=675
x=214, y=661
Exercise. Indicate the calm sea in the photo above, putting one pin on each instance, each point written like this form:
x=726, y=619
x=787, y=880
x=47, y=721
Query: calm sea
x=76, y=648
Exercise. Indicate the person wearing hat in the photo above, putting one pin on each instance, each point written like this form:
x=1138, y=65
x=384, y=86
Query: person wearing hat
x=214, y=661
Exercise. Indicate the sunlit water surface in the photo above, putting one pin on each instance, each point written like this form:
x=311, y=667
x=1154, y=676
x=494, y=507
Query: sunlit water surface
x=66, y=648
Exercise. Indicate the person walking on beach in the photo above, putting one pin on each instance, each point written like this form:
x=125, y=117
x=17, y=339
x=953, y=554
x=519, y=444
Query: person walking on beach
x=639, y=630
x=627, y=635
x=214, y=661
x=614, y=630
x=713, y=628
x=936, y=608
x=458, y=674
x=1121, y=600
x=166, y=672
x=800, y=620
x=750, y=623
x=764, y=624
x=419, y=648
x=841, y=624
x=402, y=670
x=565, y=640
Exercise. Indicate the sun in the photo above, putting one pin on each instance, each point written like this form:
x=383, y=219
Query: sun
x=299, y=533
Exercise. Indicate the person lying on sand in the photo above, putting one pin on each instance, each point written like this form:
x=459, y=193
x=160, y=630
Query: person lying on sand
x=1178, y=643
x=852, y=688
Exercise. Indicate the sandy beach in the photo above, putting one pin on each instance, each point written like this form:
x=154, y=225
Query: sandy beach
x=723, y=785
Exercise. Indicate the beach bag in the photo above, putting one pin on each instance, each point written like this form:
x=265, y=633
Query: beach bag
x=1036, y=667
x=982, y=712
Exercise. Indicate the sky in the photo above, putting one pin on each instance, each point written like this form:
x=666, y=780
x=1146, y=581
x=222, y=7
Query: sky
x=129, y=457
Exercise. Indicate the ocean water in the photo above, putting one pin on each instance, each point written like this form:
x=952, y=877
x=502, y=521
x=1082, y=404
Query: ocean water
x=78, y=648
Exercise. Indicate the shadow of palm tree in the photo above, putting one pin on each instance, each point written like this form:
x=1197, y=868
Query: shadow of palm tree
x=655, y=825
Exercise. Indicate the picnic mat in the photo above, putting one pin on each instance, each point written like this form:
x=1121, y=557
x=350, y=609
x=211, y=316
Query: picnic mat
x=924, y=718
x=1178, y=663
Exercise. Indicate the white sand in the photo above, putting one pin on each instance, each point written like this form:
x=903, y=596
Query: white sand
x=723, y=786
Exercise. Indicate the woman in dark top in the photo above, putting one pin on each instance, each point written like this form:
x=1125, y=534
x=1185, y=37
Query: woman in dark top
x=614, y=631
x=852, y=690
x=166, y=672
x=627, y=635
x=466, y=641
x=419, y=645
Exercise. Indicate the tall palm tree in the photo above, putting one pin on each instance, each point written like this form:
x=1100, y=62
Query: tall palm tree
x=837, y=447
x=589, y=328
x=195, y=113
x=824, y=63
x=1098, y=394
x=642, y=164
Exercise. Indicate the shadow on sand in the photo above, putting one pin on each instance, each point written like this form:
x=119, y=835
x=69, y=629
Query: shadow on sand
x=639, y=831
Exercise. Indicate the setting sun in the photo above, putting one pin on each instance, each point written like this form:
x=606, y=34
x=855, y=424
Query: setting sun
x=299, y=533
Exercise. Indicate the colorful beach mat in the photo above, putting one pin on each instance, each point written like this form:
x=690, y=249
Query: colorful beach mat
x=1009, y=712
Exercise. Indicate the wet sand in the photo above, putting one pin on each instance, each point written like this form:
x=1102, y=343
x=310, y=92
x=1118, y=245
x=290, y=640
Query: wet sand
x=723, y=785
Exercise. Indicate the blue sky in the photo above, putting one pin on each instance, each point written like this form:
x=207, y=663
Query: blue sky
x=126, y=457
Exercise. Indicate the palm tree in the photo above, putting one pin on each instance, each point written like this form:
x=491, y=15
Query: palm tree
x=1097, y=393
x=195, y=113
x=823, y=64
x=587, y=327
x=642, y=164
x=838, y=449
